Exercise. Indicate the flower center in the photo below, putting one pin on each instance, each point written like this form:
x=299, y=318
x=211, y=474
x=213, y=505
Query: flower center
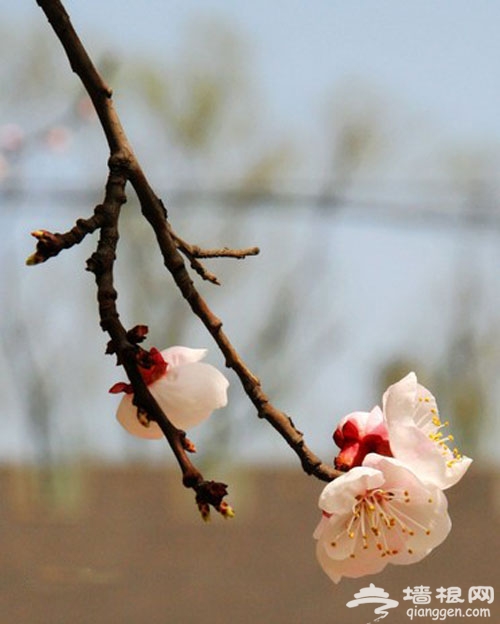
x=382, y=521
x=431, y=424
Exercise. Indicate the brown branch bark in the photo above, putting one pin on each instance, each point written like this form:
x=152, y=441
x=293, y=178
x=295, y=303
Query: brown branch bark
x=50, y=244
x=124, y=161
x=193, y=253
x=101, y=264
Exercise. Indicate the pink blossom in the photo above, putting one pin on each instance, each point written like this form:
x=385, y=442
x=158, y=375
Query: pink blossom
x=376, y=514
x=416, y=434
x=186, y=389
x=357, y=435
x=11, y=137
x=58, y=138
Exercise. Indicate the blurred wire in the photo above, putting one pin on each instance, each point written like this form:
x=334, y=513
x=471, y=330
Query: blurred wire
x=459, y=211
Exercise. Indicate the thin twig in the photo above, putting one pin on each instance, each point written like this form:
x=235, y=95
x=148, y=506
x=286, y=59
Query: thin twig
x=50, y=244
x=224, y=252
x=193, y=253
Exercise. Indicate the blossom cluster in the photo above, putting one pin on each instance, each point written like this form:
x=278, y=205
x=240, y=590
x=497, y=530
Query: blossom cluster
x=389, y=506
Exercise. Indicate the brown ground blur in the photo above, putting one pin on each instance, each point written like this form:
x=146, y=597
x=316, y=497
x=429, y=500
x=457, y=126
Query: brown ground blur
x=126, y=545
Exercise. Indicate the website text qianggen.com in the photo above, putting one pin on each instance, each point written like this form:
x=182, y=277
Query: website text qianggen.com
x=443, y=613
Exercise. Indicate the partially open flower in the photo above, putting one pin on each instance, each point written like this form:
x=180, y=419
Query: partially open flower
x=376, y=514
x=186, y=389
x=359, y=434
x=416, y=436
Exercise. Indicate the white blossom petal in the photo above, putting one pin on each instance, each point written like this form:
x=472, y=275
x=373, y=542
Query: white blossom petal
x=177, y=356
x=399, y=399
x=349, y=567
x=414, y=428
x=338, y=495
x=188, y=394
x=127, y=417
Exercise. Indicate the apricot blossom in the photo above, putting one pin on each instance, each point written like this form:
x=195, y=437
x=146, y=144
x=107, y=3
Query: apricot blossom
x=186, y=389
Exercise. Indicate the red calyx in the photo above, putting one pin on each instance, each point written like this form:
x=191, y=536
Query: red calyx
x=151, y=366
x=121, y=386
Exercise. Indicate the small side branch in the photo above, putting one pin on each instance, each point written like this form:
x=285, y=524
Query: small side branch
x=225, y=252
x=193, y=253
x=50, y=244
x=198, y=252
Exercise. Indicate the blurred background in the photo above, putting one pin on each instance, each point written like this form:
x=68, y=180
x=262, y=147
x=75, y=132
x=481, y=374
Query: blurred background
x=357, y=144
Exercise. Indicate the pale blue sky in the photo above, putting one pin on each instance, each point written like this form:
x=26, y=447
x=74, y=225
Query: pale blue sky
x=436, y=57
x=436, y=66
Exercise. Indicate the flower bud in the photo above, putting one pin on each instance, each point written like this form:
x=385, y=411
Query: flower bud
x=357, y=435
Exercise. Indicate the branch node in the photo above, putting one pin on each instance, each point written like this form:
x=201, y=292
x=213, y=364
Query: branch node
x=94, y=264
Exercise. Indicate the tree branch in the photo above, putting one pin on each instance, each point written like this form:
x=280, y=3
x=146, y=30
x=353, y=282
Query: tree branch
x=125, y=163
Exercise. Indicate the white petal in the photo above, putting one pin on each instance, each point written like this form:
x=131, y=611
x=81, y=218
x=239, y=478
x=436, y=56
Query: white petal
x=438, y=523
x=188, y=394
x=399, y=401
x=337, y=543
x=427, y=459
x=322, y=524
x=355, y=567
x=176, y=356
x=338, y=496
x=409, y=410
x=425, y=409
x=331, y=567
x=375, y=419
x=127, y=417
